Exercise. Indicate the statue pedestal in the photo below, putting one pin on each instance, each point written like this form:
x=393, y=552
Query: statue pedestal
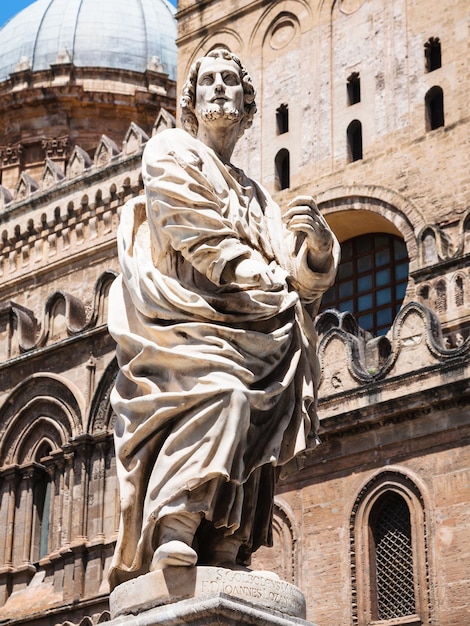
x=207, y=595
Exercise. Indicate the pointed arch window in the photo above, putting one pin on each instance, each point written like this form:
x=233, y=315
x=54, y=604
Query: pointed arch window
x=389, y=553
x=354, y=135
x=392, y=572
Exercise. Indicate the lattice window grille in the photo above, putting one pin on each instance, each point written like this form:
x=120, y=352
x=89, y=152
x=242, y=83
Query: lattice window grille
x=394, y=558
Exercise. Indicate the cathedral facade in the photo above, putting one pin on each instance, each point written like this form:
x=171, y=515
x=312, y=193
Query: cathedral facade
x=362, y=104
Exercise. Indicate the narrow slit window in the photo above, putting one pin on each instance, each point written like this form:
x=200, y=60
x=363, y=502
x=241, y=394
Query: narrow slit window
x=354, y=88
x=282, y=169
x=282, y=119
x=434, y=103
x=432, y=54
x=354, y=135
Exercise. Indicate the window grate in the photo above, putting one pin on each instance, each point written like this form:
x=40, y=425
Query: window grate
x=394, y=558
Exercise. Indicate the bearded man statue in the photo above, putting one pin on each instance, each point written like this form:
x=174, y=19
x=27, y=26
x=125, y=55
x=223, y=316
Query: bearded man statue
x=212, y=315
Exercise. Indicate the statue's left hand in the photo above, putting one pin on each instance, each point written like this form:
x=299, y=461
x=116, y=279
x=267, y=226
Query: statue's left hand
x=304, y=220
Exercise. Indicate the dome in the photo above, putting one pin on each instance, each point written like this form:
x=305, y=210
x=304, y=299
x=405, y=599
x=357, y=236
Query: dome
x=120, y=34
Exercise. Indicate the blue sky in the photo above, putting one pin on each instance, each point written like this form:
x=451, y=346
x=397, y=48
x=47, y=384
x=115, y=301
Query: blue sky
x=9, y=8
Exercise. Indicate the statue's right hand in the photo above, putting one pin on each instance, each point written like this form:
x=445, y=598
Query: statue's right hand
x=256, y=274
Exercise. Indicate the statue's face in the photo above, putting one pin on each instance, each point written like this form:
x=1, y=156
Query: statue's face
x=219, y=90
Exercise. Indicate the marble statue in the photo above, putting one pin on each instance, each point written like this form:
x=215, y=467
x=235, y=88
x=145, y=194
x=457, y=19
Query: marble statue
x=212, y=315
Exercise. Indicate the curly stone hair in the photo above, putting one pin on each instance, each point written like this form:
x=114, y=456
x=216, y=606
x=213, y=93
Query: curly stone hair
x=188, y=96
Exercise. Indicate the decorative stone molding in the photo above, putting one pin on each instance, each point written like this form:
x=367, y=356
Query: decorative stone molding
x=55, y=148
x=164, y=120
x=51, y=175
x=350, y=358
x=105, y=152
x=14, y=317
x=11, y=155
x=21, y=332
x=5, y=197
x=400, y=481
x=24, y=411
x=79, y=162
x=25, y=187
x=134, y=140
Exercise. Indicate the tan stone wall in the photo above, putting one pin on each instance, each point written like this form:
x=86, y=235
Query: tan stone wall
x=301, y=54
x=407, y=411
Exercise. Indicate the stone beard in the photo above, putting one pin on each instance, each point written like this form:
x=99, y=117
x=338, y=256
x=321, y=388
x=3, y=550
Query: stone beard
x=216, y=393
x=216, y=113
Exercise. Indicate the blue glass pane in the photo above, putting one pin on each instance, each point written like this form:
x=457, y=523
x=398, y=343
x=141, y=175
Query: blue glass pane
x=363, y=244
x=347, y=305
x=400, y=250
x=346, y=250
x=345, y=270
x=381, y=241
x=346, y=290
x=384, y=296
x=401, y=270
x=400, y=291
x=383, y=278
x=366, y=321
x=364, y=302
x=382, y=257
x=364, y=263
x=364, y=283
x=384, y=317
x=329, y=296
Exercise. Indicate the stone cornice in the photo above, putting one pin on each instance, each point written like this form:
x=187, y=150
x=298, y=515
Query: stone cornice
x=419, y=403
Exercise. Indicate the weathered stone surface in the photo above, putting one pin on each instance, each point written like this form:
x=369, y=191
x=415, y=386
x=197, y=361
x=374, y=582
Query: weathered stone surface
x=217, y=609
x=173, y=584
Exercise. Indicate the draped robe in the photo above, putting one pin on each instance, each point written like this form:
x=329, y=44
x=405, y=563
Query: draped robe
x=217, y=382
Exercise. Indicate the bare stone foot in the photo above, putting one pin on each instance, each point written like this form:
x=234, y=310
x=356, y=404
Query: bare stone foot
x=173, y=553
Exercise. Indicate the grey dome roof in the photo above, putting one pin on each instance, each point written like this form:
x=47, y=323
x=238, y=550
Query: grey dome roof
x=121, y=34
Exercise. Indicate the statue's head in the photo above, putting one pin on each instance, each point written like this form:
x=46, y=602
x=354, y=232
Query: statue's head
x=189, y=117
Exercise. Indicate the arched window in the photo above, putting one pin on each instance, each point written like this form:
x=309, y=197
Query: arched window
x=354, y=134
x=459, y=291
x=371, y=281
x=432, y=54
x=434, y=102
x=282, y=168
x=390, y=553
x=441, y=297
x=392, y=573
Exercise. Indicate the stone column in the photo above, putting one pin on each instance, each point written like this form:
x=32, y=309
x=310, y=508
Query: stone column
x=11, y=479
x=28, y=476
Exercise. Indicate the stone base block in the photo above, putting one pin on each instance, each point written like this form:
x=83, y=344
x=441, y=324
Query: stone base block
x=215, y=610
x=206, y=595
